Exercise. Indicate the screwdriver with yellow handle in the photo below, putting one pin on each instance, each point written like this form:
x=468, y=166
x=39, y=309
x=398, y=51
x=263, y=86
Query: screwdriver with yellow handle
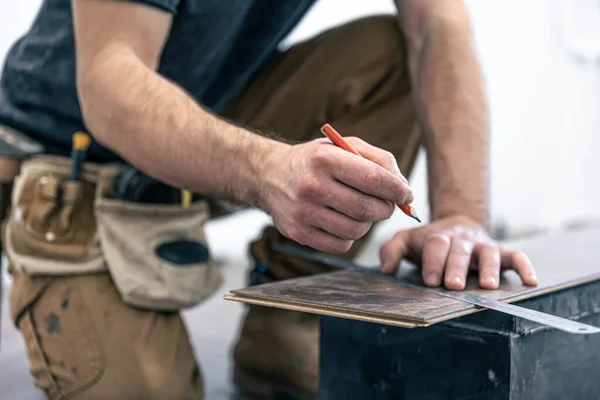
x=186, y=198
x=81, y=143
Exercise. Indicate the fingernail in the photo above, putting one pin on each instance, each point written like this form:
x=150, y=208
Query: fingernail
x=534, y=278
x=457, y=280
x=432, y=279
x=490, y=280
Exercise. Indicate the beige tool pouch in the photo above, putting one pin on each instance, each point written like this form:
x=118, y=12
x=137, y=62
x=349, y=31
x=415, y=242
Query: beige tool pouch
x=59, y=227
x=51, y=226
x=130, y=234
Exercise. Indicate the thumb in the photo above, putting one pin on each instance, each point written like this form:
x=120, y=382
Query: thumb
x=392, y=252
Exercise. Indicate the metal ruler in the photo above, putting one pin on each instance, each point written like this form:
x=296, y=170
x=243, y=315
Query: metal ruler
x=553, y=321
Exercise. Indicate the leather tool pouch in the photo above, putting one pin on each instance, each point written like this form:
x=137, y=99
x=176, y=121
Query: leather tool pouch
x=157, y=254
x=51, y=227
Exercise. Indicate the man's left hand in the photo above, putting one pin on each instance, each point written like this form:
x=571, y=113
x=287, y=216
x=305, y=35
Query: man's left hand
x=448, y=248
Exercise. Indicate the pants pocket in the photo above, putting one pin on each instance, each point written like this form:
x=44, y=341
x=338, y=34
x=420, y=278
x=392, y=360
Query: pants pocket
x=157, y=254
x=64, y=351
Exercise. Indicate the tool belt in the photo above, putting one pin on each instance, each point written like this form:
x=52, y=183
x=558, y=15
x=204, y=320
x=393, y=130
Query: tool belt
x=157, y=254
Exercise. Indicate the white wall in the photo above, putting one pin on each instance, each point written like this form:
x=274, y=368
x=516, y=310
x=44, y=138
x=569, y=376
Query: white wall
x=543, y=100
x=543, y=108
x=543, y=104
x=15, y=19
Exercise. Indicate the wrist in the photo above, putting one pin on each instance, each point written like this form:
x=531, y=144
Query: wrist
x=477, y=214
x=468, y=198
x=255, y=172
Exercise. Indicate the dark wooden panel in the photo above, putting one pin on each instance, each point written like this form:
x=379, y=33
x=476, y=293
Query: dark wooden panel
x=359, y=292
x=561, y=260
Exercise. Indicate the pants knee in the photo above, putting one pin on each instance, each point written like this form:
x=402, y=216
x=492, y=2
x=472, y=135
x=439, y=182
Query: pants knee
x=375, y=38
x=83, y=343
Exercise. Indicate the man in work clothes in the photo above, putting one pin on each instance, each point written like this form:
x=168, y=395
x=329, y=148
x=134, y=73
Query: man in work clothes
x=195, y=94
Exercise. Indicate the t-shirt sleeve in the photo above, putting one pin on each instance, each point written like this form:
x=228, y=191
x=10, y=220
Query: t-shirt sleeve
x=166, y=5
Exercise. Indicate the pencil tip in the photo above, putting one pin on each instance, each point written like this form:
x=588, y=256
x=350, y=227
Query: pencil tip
x=410, y=211
x=413, y=213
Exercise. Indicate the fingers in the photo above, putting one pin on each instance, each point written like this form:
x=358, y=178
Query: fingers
x=354, y=204
x=336, y=224
x=435, y=254
x=320, y=240
x=450, y=258
x=518, y=261
x=457, y=264
x=488, y=257
x=392, y=252
x=370, y=178
x=378, y=156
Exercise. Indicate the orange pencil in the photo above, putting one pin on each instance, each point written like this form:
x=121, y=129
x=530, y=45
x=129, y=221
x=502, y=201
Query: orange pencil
x=339, y=141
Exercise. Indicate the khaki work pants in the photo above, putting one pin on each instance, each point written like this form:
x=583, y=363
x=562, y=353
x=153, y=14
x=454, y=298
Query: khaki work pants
x=84, y=343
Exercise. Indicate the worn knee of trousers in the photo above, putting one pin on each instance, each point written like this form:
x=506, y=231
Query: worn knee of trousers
x=83, y=343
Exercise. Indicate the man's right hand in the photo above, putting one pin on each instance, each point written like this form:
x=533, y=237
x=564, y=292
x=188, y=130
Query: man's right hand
x=326, y=198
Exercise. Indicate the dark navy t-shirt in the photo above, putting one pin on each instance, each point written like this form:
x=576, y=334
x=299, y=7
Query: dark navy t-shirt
x=213, y=49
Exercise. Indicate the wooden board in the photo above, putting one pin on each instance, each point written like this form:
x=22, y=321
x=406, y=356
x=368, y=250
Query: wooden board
x=561, y=260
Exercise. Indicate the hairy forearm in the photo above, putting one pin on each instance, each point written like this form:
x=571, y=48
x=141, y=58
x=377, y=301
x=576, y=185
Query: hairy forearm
x=158, y=128
x=449, y=93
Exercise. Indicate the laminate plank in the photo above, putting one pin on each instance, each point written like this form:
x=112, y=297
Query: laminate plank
x=561, y=260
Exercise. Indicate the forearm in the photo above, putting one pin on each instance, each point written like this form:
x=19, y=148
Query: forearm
x=449, y=93
x=158, y=128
